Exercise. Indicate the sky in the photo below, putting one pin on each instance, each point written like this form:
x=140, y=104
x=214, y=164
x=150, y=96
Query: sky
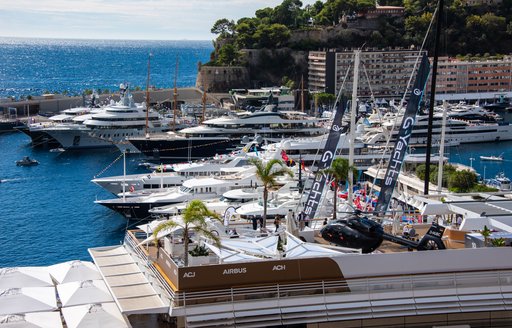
x=122, y=19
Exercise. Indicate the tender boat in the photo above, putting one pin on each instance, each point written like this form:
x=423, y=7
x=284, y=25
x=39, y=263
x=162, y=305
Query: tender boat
x=492, y=158
x=27, y=161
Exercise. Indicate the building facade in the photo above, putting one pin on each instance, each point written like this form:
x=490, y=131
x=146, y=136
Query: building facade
x=458, y=76
x=386, y=74
x=383, y=73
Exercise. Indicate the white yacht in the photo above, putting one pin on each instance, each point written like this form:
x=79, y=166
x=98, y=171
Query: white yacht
x=110, y=127
x=219, y=135
x=197, y=188
x=457, y=131
x=176, y=174
x=309, y=150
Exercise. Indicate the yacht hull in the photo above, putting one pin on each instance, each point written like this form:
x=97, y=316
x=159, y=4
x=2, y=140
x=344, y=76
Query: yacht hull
x=181, y=149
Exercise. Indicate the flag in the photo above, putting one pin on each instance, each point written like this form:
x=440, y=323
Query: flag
x=284, y=156
x=303, y=167
x=256, y=151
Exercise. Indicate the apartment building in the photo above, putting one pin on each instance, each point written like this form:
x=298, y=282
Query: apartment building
x=458, y=76
x=383, y=73
x=387, y=73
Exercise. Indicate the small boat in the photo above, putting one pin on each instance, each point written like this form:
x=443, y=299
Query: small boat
x=27, y=161
x=492, y=158
x=57, y=150
x=501, y=182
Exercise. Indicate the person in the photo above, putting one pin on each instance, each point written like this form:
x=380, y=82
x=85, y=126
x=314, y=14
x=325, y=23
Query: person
x=325, y=221
x=412, y=232
x=405, y=231
x=254, y=223
x=277, y=221
x=306, y=220
x=300, y=218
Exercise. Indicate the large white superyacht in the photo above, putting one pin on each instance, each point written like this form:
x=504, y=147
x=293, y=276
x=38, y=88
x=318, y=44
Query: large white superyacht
x=219, y=135
x=110, y=127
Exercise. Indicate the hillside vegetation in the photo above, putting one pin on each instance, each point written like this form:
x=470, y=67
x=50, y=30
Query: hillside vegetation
x=468, y=30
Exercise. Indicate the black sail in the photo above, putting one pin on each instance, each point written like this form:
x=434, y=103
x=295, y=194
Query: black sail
x=388, y=183
x=315, y=194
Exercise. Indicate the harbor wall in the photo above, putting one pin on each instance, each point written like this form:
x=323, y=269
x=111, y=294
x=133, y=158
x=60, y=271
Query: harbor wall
x=56, y=103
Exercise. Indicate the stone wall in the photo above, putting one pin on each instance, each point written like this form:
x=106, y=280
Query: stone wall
x=222, y=78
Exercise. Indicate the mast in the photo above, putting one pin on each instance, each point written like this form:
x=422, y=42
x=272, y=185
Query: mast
x=353, y=109
x=302, y=93
x=432, y=94
x=203, y=100
x=147, y=95
x=175, y=96
x=441, y=151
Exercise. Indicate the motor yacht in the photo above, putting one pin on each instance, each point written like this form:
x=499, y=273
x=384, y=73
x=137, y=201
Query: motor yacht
x=219, y=135
x=110, y=127
x=197, y=188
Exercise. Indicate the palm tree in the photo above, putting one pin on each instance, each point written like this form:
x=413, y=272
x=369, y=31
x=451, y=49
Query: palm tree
x=486, y=233
x=193, y=220
x=338, y=170
x=267, y=173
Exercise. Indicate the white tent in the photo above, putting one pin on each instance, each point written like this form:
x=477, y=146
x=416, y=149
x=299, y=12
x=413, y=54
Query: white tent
x=31, y=320
x=228, y=256
x=85, y=292
x=105, y=315
x=74, y=271
x=297, y=248
x=266, y=246
x=150, y=226
x=29, y=299
x=25, y=277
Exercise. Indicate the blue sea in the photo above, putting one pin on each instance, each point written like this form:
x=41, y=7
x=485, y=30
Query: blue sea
x=47, y=212
x=37, y=66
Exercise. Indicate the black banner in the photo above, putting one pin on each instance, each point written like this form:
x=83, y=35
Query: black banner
x=315, y=194
x=388, y=183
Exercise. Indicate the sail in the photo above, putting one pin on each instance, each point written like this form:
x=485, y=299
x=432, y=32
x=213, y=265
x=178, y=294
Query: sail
x=387, y=184
x=327, y=156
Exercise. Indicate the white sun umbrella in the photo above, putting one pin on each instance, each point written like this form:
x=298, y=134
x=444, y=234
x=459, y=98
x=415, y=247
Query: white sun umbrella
x=25, y=277
x=228, y=256
x=151, y=226
x=26, y=300
x=84, y=292
x=31, y=320
x=266, y=246
x=74, y=271
x=297, y=248
x=105, y=315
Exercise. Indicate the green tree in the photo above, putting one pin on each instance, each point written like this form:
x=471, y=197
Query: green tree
x=267, y=173
x=228, y=55
x=462, y=181
x=272, y=36
x=193, y=220
x=339, y=172
x=224, y=27
x=325, y=99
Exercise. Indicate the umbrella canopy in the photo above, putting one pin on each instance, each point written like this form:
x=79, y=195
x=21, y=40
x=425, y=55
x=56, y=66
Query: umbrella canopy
x=297, y=248
x=31, y=320
x=74, y=271
x=266, y=246
x=105, y=315
x=228, y=256
x=25, y=277
x=25, y=300
x=85, y=292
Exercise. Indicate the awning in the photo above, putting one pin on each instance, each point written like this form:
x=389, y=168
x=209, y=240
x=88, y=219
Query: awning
x=126, y=282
